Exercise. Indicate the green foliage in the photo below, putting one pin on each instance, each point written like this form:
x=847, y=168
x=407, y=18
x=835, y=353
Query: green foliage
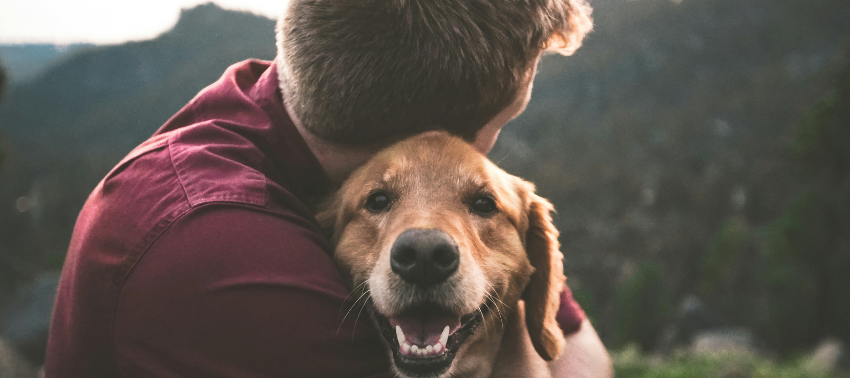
x=587, y=301
x=821, y=141
x=630, y=363
x=788, y=278
x=807, y=250
x=789, y=274
x=725, y=254
x=812, y=143
x=643, y=307
x=791, y=238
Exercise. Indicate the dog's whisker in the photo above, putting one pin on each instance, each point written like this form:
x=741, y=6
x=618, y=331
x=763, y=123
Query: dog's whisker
x=498, y=309
x=493, y=295
x=509, y=153
x=498, y=313
x=353, y=305
x=355, y=302
x=482, y=317
x=496, y=297
x=358, y=315
x=352, y=293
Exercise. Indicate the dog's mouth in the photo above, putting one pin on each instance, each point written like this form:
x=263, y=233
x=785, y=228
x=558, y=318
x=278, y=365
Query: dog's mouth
x=425, y=338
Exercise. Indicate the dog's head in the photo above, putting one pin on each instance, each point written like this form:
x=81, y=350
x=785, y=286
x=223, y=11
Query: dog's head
x=442, y=241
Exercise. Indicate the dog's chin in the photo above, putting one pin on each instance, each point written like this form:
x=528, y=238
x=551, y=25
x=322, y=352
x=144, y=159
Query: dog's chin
x=425, y=338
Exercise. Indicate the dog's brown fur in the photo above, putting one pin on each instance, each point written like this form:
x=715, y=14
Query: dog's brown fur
x=511, y=254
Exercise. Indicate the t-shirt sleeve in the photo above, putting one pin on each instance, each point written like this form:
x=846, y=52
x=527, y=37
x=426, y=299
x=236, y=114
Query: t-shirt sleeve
x=229, y=291
x=570, y=315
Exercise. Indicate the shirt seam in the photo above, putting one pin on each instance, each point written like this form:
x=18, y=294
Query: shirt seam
x=195, y=200
x=177, y=174
x=129, y=264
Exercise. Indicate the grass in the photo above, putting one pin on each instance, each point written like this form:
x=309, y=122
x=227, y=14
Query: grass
x=630, y=363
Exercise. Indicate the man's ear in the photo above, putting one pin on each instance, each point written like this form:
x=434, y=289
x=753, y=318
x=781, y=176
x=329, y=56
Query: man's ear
x=542, y=296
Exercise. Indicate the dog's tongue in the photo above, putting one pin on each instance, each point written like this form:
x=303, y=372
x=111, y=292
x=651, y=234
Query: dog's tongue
x=425, y=329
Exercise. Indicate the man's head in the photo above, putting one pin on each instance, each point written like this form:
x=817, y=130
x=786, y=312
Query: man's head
x=369, y=72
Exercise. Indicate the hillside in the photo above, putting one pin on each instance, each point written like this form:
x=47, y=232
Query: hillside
x=64, y=129
x=671, y=121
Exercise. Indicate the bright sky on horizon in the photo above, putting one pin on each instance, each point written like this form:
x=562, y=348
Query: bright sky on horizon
x=104, y=21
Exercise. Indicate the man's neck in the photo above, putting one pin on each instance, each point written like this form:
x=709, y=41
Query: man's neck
x=338, y=161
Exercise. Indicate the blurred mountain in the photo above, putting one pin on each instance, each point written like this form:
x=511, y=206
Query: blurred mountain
x=663, y=144
x=113, y=97
x=63, y=130
x=664, y=135
x=25, y=61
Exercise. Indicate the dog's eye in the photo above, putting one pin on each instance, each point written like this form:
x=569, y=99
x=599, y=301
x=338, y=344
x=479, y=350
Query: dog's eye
x=378, y=202
x=483, y=205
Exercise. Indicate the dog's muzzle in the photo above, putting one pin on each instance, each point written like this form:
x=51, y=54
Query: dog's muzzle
x=426, y=335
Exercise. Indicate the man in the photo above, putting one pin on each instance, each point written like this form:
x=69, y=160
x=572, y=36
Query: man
x=198, y=256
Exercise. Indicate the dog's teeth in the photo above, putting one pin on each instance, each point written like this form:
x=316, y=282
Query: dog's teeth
x=438, y=348
x=444, y=338
x=414, y=349
x=421, y=352
x=406, y=347
x=399, y=334
x=429, y=349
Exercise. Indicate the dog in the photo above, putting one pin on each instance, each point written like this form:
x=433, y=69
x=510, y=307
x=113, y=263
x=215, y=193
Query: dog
x=445, y=247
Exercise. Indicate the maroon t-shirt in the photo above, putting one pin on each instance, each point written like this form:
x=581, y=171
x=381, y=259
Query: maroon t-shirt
x=197, y=257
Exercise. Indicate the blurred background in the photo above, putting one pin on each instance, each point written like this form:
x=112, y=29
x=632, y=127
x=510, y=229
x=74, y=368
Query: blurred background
x=697, y=153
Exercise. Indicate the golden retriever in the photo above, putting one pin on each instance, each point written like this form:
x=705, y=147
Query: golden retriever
x=444, y=245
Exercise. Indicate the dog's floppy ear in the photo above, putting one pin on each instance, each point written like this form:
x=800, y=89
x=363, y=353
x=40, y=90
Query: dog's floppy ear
x=328, y=214
x=542, y=296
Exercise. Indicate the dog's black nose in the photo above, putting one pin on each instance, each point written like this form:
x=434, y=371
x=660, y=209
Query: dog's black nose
x=424, y=257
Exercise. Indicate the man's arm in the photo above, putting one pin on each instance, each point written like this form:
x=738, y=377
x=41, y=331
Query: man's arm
x=233, y=291
x=584, y=356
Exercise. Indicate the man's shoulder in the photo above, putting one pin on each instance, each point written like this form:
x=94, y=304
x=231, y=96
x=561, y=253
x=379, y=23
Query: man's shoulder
x=180, y=170
x=224, y=147
x=209, y=185
x=168, y=178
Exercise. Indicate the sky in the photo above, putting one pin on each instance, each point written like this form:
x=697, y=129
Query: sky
x=103, y=21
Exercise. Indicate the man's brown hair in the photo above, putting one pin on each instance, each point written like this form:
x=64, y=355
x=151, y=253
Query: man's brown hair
x=369, y=72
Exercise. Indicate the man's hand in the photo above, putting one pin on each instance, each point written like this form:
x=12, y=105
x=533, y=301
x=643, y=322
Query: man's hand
x=584, y=356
